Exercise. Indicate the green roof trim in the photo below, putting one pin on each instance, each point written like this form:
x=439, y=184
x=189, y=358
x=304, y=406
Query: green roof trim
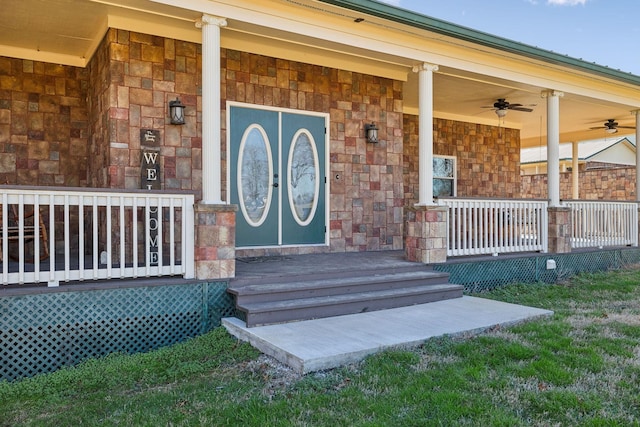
x=423, y=22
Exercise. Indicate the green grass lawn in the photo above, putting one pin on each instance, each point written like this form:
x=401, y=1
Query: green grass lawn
x=578, y=367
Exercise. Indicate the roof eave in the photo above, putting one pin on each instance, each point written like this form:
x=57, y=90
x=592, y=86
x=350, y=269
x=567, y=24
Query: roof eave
x=423, y=22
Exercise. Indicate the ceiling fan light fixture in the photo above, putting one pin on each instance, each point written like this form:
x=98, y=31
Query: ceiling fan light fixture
x=501, y=112
x=611, y=130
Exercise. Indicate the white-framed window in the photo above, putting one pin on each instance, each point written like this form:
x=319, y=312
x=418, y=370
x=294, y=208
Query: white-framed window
x=444, y=176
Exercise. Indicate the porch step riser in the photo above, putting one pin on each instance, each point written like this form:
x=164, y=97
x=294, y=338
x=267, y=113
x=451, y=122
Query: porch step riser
x=339, y=308
x=268, y=293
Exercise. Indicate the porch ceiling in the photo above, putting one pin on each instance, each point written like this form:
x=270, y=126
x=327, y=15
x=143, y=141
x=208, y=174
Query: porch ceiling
x=68, y=32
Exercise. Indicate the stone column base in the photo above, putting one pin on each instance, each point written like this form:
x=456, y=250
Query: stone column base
x=426, y=234
x=215, y=241
x=559, y=229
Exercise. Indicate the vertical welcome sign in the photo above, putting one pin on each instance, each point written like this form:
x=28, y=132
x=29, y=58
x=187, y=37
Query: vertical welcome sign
x=150, y=180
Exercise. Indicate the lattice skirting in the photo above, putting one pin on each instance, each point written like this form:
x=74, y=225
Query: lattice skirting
x=485, y=275
x=41, y=333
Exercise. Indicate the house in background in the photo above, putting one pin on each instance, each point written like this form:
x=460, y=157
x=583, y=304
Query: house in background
x=157, y=142
x=601, y=170
x=595, y=154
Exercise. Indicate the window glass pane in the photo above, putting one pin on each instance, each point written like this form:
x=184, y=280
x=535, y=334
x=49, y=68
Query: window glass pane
x=303, y=178
x=442, y=187
x=443, y=167
x=254, y=172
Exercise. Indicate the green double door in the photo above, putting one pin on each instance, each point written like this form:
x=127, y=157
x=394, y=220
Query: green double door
x=277, y=176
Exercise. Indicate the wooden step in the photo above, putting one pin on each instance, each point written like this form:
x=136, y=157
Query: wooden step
x=277, y=299
x=263, y=313
x=317, y=286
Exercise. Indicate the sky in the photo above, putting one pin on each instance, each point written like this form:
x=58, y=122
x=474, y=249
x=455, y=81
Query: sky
x=606, y=32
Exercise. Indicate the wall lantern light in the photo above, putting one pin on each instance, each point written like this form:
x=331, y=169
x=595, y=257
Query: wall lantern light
x=176, y=112
x=371, y=132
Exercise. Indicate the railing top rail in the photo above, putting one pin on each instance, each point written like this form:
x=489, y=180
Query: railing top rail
x=85, y=190
x=487, y=199
x=627, y=202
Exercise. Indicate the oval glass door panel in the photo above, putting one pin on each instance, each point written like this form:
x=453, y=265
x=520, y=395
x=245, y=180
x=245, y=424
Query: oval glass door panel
x=255, y=172
x=303, y=171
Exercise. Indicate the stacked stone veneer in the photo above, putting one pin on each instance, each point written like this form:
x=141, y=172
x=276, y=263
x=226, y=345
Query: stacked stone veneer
x=604, y=184
x=132, y=79
x=43, y=123
x=366, y=179
x=488, y=157
x=426, y=234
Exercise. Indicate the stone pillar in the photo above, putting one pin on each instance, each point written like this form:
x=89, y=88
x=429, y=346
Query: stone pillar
x=426, y=238
x=559, y=229
x=215, y=241
x=553, y=145
x=211, y=163
x=425, y=133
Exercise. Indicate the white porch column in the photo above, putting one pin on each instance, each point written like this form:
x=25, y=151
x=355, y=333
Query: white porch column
x=637, y=113
x=553, y=145
x=425, y=133
x=211, y=163
x=575, y=182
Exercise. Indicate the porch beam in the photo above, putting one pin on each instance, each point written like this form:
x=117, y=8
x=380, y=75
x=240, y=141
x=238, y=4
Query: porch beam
x=553, y=145
x=211, y=163
x=425, y=132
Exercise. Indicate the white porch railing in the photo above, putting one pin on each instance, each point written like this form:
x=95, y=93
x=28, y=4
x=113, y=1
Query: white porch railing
x=94, y=234
x=492, y=226
x=603, y=223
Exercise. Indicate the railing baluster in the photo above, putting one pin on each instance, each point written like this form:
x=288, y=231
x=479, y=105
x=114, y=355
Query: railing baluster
x=135, y=236
x=122, y=238
x=147, y=236
x=96, y=235
x=5, y=240
x=37, y=233
x=159, y=238
x=172, y=237
x=67, y=254
x=81, y=237
x=109, y=237
x=52, y=241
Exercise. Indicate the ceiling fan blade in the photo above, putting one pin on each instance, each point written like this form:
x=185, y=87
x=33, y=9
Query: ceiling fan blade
x=516, y=108
x=626, y=127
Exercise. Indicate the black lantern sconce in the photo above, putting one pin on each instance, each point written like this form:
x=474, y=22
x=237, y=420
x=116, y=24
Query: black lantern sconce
x=176, y=112
x=371, y=132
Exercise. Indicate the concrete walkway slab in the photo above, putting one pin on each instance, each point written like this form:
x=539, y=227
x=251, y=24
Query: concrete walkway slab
x=318, y=344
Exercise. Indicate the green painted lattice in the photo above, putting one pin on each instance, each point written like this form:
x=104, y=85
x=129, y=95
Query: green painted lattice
x=478, y=276
x=41, y=333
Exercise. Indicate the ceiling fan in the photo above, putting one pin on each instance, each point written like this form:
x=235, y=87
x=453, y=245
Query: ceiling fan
x=611, y=126
x=501, y=106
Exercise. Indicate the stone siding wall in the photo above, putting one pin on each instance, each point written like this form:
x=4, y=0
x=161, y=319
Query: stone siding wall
x=594, y=184
x=43, y=123
x=133, y=78
x=366, y=179
x=488, y=157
